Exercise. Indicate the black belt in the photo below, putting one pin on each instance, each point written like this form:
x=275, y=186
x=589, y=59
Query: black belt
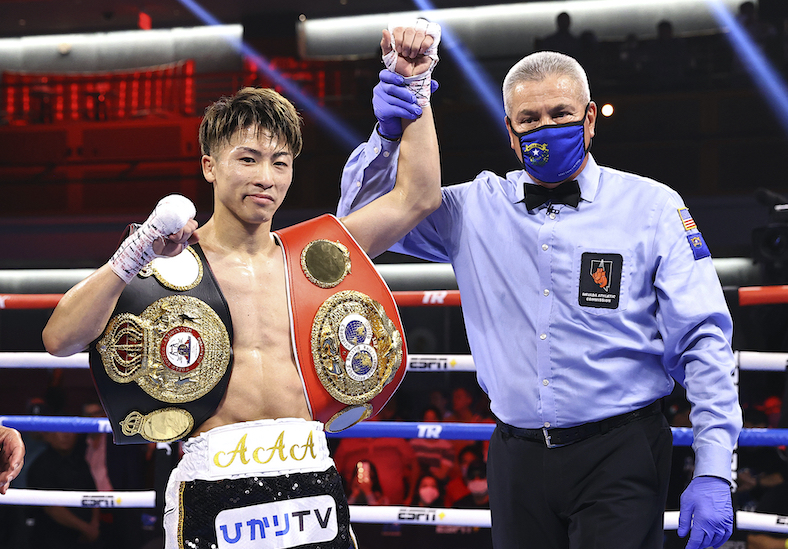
x=554, y=438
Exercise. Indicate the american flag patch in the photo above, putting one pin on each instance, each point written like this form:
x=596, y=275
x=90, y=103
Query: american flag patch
x=686, y=219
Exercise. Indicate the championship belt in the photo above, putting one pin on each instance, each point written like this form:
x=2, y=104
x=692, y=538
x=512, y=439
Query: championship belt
x=162, y=365
x=348, y=335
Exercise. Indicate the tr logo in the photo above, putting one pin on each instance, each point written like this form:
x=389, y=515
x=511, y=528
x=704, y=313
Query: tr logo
x=434, y=296
x=429, y=431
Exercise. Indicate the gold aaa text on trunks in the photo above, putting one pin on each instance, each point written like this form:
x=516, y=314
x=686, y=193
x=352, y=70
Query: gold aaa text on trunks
x=177, y=350
x=356, y=348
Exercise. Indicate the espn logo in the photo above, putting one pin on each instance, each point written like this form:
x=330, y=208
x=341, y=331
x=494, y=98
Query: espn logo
x=436, y=363
x=416, y=514
x=94, y=500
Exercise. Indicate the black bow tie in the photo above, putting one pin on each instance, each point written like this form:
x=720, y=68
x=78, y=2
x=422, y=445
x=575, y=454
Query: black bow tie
x=567, y=193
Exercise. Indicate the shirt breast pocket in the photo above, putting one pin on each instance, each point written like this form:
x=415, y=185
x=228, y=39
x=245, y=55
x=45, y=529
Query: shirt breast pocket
x=602, y=280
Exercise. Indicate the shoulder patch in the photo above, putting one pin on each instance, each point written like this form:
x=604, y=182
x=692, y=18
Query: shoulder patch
x=686, y=219
x=698, y=246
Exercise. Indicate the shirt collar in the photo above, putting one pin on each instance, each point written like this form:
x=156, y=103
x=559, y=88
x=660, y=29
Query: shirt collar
x=588, y=181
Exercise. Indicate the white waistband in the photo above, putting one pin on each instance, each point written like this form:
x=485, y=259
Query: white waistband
x=265, y=447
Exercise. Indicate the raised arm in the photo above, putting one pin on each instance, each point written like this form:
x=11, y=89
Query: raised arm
x=85, y=309
x=416, y=193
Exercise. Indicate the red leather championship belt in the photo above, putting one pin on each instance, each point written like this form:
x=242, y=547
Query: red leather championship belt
x=347, y=332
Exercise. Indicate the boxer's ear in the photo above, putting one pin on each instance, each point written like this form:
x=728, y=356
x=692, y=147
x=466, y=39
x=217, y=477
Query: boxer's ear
x=208, y=165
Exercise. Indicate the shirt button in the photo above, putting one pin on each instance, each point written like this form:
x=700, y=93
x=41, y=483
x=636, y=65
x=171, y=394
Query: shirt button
x=545, y=382
x=546, y=292
x=545, y=246
x=542, y=336
x=358, y=184
x=552, y=216
x=547, y=424
x=376, y=150
x=386, y=154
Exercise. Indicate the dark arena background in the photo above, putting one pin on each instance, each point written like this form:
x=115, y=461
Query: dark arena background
x=100, y=101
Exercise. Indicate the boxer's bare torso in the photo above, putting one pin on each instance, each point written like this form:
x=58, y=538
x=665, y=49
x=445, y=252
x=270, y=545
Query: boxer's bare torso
x=264, y=383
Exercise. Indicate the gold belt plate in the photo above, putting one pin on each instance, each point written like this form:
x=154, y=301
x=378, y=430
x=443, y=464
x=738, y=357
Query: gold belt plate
x=177, y=350
x=356, y=348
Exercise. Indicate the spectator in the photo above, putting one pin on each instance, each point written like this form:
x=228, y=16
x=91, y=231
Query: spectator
x=456, y=488
x=463, y=411
x=393, y=458
x=438, y=400
x=476, y=481
x=772, y=407
x=364, y=486
x=761, y=32
x=562, y=40
x=429, y=493
x=462, y=401
x=62, y=467
x=666, y=61
x=436, y=456
x=477, y=498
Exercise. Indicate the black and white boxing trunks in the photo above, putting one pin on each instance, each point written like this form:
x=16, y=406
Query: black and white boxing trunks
x=267, y=483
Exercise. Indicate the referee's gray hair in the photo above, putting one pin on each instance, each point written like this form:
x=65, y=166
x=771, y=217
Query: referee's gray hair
x=538, y=66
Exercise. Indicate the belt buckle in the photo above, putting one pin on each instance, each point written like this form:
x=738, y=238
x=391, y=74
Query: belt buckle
x=547, y=439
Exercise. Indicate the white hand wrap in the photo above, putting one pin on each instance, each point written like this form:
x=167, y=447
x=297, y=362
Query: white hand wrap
x=169, y=216
x=419, y=84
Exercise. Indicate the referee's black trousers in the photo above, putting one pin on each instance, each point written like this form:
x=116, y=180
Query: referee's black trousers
x=604, y=492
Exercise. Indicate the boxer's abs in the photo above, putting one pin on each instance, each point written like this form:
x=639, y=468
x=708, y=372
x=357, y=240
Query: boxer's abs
x=262, y=386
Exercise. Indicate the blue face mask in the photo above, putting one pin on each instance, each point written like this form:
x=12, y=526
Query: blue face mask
x=552, y=153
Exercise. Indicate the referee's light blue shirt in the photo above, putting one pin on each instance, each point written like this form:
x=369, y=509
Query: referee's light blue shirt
x=575, y=315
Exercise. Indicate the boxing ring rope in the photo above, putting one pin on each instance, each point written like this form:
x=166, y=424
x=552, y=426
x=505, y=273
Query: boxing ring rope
x=747, y=295
x=682, y=436
x=746, y=360
x=404, y=298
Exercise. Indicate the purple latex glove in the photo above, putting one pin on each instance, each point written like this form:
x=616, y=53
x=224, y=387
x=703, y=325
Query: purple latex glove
x=706, y=509
x=392, y=101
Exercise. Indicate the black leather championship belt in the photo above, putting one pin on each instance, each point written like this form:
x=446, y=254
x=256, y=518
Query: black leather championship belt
x=162, y=365
x=348, y=335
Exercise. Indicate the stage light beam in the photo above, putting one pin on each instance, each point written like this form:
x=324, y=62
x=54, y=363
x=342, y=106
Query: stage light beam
x=486, y=90
x=764, y=76
x=344, y=134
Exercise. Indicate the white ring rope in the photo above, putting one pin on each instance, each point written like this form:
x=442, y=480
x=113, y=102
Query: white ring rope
x=745, y=360
x=65, y=498
x=383, y=514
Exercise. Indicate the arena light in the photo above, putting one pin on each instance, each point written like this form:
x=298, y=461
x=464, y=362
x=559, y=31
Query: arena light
x=482, y=84
x=509, y=30
x=336, y=127
x=764, y=76
x=607, y=110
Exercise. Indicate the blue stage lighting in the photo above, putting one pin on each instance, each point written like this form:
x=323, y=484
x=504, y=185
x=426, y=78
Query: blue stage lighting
x=485, y=88
x=345, y=135
x=765, y=77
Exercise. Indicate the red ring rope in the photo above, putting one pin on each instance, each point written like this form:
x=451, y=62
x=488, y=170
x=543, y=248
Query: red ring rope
x=434, y=298
x=749, y=295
